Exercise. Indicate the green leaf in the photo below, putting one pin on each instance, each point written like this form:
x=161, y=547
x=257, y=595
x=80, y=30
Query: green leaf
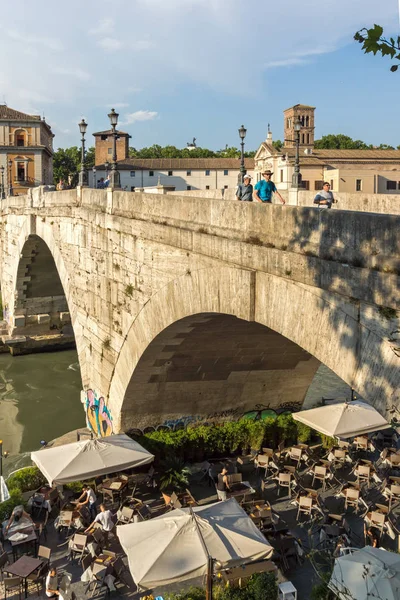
x=394, y=68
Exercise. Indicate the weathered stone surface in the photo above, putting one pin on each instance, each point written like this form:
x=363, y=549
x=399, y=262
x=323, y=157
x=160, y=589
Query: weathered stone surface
x=128, y=266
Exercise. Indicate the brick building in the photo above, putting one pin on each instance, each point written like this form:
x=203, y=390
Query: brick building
x=104, y=145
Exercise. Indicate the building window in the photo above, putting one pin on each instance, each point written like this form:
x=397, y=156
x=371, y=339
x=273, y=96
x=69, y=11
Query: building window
x=188, y=187
x=170, y=173
x=318, y=185
x=302, y=138
x=390, y=185
x=109, y=150
x=308, y=138
x=207, y=187
x=188, y=172
x=104, y=138
x=151, y=173
x=133, y=173
x=226, y=172
x=132, y=188
x=305, y=184
x=20, y=139
x=359, y=185
x=331, y=185
x=281, y=175
x=207, y=172
x=20, y=171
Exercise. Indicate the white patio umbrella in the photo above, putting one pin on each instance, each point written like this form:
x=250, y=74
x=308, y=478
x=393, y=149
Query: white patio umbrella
x=90, y=458
x=344, y=420
x=178, y=545
x=365, y=574
x=4, y=493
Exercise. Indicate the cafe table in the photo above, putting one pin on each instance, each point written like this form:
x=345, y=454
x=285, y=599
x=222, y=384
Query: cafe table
x=23, y=567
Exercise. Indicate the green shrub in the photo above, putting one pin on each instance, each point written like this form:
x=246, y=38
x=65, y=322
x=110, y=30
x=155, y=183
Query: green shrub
x=174, y=476
x=327, y=441
x=304, y=433
x=26, y=479
x=76, y=486
x=6, y=507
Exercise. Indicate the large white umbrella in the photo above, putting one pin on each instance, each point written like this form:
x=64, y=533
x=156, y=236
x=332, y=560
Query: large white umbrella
x=344, y=420
x=90, y=458
x=365, y=574
x=4, y=493
x=177, y=545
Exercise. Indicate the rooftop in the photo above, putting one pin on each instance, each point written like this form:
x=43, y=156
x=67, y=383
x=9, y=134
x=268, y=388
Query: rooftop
x=7, y=113
x=182, y=163
x=110, y=131
x=299, y=106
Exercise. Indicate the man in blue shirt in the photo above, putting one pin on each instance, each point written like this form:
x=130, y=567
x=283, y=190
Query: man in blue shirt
x=264, y=189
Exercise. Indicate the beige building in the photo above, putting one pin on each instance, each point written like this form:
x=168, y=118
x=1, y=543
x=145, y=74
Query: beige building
x=26, y=150
x=369, y=171
x=180, y=174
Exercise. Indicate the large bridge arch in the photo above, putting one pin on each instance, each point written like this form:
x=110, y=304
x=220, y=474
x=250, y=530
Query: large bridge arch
x=51, y=285
x=328, y=327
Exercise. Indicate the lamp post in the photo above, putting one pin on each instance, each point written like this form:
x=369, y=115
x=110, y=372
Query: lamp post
x=94, y=177
x=83, y=176
x=296, y=177
x=242, y=135
x=3, y=193
x=115, y=180
x=10, y=187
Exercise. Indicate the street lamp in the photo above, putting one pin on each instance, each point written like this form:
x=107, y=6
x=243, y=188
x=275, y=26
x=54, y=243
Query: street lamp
x=83, y=176
x=296, y=177
x=10, y=187
x=3, y=193
x=242, y=135
x=115, y=180
x=94, y=177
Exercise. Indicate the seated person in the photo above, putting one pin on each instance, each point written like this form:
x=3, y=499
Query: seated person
x=52, y=584
x=17, y=514
x=371, y=537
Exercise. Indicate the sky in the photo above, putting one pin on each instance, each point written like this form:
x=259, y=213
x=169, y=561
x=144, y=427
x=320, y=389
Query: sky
x=178, y=69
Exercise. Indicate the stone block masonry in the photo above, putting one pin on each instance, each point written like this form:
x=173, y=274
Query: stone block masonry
x=189, y=307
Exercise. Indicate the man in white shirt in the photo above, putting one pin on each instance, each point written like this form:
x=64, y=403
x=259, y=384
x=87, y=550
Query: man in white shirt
x=52, y=584
x=88, y=498
x=105, y=518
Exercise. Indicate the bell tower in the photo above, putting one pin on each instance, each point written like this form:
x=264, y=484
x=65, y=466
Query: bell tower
x=306, y=115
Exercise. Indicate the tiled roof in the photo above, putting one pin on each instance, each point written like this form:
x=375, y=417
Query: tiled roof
x=327, y=155
x=298, y=106
x=164, y=164
x=109, y=132
x=9, y=113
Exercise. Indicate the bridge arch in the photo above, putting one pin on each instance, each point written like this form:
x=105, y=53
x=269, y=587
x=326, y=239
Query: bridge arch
x=321, y=324
x=39, y=283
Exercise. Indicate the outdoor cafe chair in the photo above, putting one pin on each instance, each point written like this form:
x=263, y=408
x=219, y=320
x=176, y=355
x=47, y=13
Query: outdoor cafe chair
x=394, y=494
x=262, y=462
x=339, y=456
x=37, y=578
x=99, y=573
x=361, y=443
x=4, y=560
x=295, y=454
x=352, y=497
x=126, y=515
x=342, y=445
x=377, y=520
x=44, y=553
x=305, y=506
x=86, y=562
x=394, y=460
x=363, y=473
x=285, y=481
x=78, y=545
x=319, y=474
x=11, y=585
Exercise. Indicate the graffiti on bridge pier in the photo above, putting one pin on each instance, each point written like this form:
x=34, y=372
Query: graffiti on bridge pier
x=98, y=416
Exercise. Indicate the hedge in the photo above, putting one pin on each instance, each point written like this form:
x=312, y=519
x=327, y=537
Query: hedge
x=213, y=441
x=258, y=587
x=25, y=480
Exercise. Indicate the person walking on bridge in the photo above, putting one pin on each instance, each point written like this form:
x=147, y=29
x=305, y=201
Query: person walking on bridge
x=264, y=189
x=325, y=198
x=245, y=190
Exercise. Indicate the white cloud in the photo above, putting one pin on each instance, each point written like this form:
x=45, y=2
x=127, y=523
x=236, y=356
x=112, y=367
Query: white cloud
x=140, y=115
x=110, y=44
x=71, y=72
x=103, y=26
x=49, y=43
x=287, y=62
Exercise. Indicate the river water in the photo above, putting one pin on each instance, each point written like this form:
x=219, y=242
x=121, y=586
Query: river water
x=40, y=400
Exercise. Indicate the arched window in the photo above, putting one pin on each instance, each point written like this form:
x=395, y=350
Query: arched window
x=20, y=137
x=302, y=138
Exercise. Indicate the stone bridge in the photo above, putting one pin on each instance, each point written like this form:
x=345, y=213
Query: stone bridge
x=191, y=309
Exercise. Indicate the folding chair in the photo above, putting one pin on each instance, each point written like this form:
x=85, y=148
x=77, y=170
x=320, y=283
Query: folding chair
x=126, y=515
x=99, y=573
x=262, y=462
x=361, y=443
x=305, y=506
x=363, y=474
x=339, y=456
x=285, y=481
x=351, y=498
x=320, y=474
x=378, y=521
x=394, y=495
